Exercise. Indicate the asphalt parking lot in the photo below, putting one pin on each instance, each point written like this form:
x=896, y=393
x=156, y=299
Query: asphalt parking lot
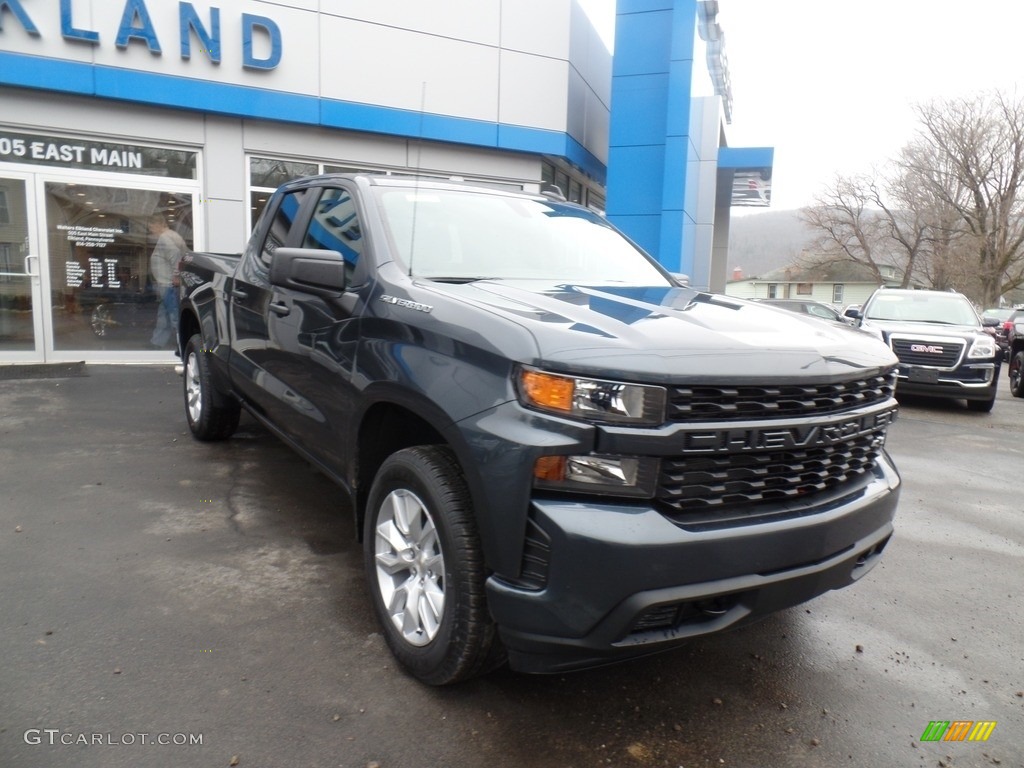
x=170, y=603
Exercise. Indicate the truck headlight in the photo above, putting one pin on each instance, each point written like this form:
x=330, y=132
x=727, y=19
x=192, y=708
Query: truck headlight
x=983, y=346
x=592, y=399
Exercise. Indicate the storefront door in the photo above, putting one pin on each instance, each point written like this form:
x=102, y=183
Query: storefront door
x=90, y=236
x=87, y=267
x=22, y=317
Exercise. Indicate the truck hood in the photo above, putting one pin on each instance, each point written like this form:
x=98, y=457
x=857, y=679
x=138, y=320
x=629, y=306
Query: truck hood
x=664, y=333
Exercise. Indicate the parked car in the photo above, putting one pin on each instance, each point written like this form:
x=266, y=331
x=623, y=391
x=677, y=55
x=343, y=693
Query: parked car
x=996, y=323
x=1015, y=351
x=812, y=308
x=940, y=341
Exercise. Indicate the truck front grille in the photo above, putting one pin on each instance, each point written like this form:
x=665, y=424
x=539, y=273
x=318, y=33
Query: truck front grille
x=726, y=403
x=702, y=483
x=737, y=473
x=944, y=354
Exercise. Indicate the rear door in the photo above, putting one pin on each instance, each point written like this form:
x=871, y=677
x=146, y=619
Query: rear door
x=258, y=352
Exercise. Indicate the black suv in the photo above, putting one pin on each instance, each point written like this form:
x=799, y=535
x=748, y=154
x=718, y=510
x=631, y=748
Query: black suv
x=1015, y=351
x=940, y=342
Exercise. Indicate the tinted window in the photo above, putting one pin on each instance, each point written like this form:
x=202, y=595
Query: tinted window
x=281, y=225
x=335, y=226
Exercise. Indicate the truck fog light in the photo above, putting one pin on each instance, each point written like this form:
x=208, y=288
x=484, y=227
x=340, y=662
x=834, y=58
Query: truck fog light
x=614, y=475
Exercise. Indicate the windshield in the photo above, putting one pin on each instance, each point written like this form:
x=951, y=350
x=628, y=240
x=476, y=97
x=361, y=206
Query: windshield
x=923, y=307
x=463, y=235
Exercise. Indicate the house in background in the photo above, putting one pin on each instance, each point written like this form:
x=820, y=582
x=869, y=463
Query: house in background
x=838, y=284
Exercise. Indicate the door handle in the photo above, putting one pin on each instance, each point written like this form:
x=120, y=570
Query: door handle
x=28, y=271
x=235, y=293
x=279, y=308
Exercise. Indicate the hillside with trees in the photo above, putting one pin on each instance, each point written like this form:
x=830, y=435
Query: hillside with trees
x=762, y=242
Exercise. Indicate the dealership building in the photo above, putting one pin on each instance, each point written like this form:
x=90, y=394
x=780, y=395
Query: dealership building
x=114, y=113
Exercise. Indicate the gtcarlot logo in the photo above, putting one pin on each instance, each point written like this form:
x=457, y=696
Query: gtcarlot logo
x=58, y=737
x=958, y=730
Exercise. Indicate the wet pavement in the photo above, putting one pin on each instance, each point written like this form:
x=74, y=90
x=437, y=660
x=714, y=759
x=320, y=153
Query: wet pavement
x=155, y=589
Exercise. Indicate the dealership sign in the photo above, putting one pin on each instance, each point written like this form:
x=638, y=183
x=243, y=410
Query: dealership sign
x=39, y=149
x=260, y=36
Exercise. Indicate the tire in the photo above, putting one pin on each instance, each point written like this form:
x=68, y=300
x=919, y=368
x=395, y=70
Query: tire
x=1017, y=374
x=210, y=415
x=981, y=406
x=425, y=570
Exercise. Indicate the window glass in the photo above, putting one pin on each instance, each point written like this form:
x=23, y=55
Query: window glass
x=114, y=256
x=335, y=226
x=281, y=225
x=454, y=235
x=270, y=173
x=804, y=289
x=837, y=293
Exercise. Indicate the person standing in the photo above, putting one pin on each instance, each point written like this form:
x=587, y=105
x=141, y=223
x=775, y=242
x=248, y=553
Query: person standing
x=163, y=264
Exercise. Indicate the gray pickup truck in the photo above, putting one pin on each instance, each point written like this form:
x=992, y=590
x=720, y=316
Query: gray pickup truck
x=554, y=454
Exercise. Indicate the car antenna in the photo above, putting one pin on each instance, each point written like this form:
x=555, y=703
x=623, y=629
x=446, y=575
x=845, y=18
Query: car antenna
x=416, y=175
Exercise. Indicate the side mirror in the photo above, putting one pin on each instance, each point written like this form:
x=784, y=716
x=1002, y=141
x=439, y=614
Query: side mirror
x=854, y=314
x=311, y=270
x=990, y=322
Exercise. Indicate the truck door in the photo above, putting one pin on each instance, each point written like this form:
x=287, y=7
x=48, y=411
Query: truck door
x=257, y=352
x=316, y=337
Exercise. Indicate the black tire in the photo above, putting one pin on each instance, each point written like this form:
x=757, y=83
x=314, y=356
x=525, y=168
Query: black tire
x=210, y=414
x=1017, y=374
x=981, y=406
x=421, y=547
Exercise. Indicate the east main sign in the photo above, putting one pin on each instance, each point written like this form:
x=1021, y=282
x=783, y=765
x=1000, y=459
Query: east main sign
x=135, y=27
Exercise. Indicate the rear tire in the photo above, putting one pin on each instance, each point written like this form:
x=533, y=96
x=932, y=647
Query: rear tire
x=210, y=414
x=1017, y=374
x=425, y=569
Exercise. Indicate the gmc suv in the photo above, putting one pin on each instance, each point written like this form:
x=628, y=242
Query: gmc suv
x=940, y=342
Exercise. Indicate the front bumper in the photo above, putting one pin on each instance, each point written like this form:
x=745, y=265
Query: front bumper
x=624, y=580
x=977, y=381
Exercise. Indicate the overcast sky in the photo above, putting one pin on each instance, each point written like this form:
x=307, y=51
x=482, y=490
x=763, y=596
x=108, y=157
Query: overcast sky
x=830, y=84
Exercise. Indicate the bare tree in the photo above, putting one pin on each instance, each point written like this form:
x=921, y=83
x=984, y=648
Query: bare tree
x=949, y=210
x=847, y=228
x=969, y=156
x=856, y=222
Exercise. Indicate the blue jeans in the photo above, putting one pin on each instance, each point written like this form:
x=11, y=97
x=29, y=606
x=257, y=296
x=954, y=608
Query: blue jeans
x=166, y=317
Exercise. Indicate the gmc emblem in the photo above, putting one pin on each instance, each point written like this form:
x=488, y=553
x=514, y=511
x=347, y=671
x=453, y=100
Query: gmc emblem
x=929, y=348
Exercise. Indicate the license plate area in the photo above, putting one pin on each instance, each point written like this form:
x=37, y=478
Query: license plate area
x=923, y=375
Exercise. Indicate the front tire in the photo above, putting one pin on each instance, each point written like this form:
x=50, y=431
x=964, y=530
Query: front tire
x=425, y=568
x=981, y=406
x=1017, y=374
x=210, y=415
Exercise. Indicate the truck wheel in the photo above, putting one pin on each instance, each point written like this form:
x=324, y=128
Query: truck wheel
x=207, y=419
x=1017, y=374
x=425, y=568
x=981, y=406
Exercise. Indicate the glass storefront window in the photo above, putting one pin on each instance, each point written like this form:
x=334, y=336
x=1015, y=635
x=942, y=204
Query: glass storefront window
x=16, y=323
x=271, y=174
x=113, y=253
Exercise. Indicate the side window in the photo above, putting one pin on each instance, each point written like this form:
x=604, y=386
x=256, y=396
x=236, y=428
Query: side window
x=335, y=226
x=281, y=225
